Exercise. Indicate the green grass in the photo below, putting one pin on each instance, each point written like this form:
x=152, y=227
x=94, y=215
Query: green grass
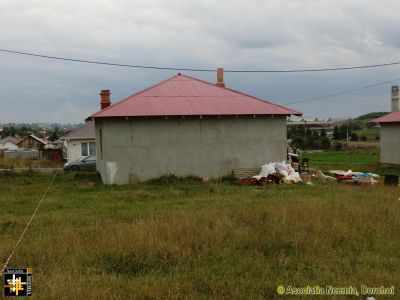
x=361, y=162
x=370, y=133
x=320, y=159
x=179, y=239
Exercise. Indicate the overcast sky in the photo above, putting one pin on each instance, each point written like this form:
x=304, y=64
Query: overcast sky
x=257, y=34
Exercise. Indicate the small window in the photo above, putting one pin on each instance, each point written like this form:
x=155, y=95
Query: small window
x=88, y=149
x=85, y=149
x=92, y=148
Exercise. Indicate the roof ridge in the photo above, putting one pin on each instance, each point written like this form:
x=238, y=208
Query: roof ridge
x=35, y=137
x=240, y=93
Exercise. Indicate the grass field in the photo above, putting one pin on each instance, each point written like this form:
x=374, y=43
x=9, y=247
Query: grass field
x=176, y=239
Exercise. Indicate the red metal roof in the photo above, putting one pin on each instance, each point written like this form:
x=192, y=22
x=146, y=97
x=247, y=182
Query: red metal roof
x=182, y=95
x=389, y=118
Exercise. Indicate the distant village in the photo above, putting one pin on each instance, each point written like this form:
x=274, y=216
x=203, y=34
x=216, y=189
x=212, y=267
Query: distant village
x=34, y=140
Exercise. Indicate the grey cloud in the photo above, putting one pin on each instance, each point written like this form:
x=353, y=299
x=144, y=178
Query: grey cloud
x=201, y=34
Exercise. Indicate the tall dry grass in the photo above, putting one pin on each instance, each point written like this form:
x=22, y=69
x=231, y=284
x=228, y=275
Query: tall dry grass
x=15, y=162
x=194, y=240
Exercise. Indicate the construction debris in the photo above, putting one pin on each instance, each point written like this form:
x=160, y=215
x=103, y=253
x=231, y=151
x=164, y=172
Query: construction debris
x=274, y=178
x=322, y=176
x=349, y=176
x=275, y=172
x=281, y=172
x=357, y=177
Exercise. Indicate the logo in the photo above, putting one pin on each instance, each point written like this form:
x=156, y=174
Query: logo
x=18, y=282
x=280, y=290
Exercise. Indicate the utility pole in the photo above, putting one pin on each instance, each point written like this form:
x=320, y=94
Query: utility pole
x=348, y=130
x=305, y=129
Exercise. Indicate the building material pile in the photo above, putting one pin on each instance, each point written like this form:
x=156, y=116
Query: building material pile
x=275, y=172
x=349, y=176
x=355, y=176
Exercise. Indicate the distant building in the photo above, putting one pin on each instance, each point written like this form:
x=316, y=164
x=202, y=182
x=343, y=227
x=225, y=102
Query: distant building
x=55, y=151
x=32, y=142
x=80, y=142
x=8, y=146
x=10, y=140
x=310, y=124
x=390, y=132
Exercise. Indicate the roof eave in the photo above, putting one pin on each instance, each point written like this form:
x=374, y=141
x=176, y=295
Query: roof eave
x=196, y=115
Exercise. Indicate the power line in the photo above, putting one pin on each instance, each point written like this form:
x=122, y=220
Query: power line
x=194, y=69
x=343, y=92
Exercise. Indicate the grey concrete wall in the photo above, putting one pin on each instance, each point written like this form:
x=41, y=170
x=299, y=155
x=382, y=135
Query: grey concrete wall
x=390, y=143
x=140, y=149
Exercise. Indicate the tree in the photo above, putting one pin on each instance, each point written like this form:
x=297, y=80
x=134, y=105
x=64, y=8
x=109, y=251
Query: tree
x=300, y=130
x=336, y=133
x=298, y=142
x=325, y=142
x=355, y=126
x=12, y=131
x=354, y=136
x=54, y=136
x=312, y=142
x=343, y=131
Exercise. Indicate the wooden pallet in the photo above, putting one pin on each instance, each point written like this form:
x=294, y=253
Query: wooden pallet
x=246, y=172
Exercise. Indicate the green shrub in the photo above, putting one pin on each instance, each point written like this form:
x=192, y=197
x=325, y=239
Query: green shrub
x=325, y=142
x=354, y=136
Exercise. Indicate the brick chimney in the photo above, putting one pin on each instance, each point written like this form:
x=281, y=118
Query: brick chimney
x=220, y=77
x=395, y=98
x=105, y=99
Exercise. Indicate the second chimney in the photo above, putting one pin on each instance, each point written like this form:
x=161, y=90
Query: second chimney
x=105, y=99
x=220, y=77
x=395, y=98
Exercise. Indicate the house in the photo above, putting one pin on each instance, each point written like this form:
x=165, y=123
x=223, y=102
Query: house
x=80, y=142
x=32, y=142
x=186, y=126
x=9, y=146
x=11, y=141
x=390, y=132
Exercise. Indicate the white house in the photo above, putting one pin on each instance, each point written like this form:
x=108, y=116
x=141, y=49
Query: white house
x=390, y=132
x=80, y=142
